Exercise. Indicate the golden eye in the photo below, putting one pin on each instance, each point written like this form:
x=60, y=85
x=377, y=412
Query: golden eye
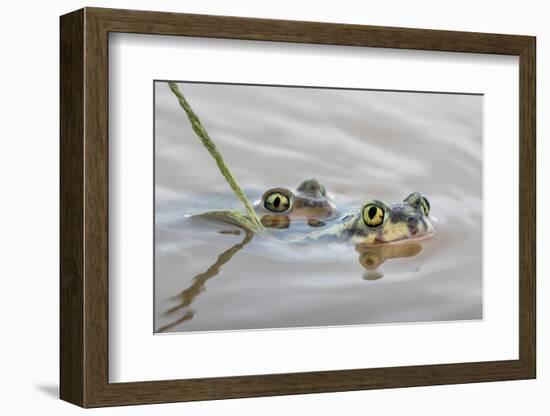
x=373, y=215
x=425, y=204
x=277, y=201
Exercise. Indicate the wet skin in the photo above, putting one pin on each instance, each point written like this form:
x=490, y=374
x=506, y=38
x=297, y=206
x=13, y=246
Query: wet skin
x=278, y=207
x=379, y=231
x=376, y=222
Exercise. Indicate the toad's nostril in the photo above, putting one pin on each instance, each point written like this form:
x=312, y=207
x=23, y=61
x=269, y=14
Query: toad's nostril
x=412, y=220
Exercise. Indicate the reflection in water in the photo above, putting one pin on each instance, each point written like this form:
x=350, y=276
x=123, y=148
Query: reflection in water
x=187, y=296
x=364, y=144
x=315, y=223
x=275, y=221
x=187, y=317
x=371, y=256
x=284, y=221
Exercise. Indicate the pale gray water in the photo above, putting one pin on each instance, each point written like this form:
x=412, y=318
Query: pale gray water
x=360, y=144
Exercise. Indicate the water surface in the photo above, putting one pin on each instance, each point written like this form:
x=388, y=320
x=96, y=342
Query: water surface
x=360, y=144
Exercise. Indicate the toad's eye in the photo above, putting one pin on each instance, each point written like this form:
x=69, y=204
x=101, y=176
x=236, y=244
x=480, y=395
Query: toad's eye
x=417, y=201
x=277, y=201
x=373, y=215
x=425, y=205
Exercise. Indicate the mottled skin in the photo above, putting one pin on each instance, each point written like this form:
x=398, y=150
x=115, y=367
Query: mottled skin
x=310, y=202
x=404, y=220
x=374, y=222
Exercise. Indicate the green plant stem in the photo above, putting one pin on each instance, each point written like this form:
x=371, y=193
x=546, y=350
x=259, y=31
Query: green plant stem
x=207, y=142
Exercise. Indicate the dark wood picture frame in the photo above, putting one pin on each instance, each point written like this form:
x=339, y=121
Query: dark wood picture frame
x=84, y=207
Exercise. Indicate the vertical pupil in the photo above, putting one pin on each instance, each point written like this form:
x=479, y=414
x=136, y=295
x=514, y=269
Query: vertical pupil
x=372, y=212
x=277, y=202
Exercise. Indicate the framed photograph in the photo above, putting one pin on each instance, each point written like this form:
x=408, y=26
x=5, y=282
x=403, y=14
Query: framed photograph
x=255, y=207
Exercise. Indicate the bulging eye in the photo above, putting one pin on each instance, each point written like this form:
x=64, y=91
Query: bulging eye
x=418, y=201
x=277, y=201
x=373, y=215
x=425, y=205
